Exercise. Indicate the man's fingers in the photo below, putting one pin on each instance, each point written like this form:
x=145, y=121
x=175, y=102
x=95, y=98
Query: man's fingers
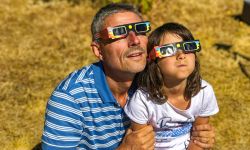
x=198, y=134
x=147, y=128
x=129, y=131
x=201, y=139
x=149, y=144
x=203, y=145
x=203, y=135
x=206, y=134
x=142, y=139
x=152, y=147
x=144, y=131
x=203, y=127
x=204, y=142
x=148, y=138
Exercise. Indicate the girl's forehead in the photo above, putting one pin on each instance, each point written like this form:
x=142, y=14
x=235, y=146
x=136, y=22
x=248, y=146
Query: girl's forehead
x=170, y=38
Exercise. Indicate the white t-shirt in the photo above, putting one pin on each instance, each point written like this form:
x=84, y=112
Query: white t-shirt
x=171, y=125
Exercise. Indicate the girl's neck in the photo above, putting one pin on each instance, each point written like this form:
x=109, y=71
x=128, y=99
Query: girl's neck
x=175, y=94
x=175, y=88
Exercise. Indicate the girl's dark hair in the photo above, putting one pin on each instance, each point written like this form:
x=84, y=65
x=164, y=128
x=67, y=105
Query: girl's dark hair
x=151, y=78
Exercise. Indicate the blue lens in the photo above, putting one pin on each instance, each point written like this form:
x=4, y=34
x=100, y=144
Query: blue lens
x=190, y=46
x=142, y=27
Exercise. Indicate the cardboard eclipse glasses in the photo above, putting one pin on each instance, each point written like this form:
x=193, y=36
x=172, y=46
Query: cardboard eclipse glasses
x=171, y=49
x=122, y=31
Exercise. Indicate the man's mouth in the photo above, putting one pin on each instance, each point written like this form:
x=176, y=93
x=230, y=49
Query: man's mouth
x=135, y=54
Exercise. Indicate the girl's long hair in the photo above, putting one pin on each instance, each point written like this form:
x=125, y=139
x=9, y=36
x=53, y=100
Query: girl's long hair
x=151, y=78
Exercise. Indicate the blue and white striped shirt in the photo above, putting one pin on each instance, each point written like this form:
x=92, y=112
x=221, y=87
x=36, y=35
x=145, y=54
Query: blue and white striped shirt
x=82, y=113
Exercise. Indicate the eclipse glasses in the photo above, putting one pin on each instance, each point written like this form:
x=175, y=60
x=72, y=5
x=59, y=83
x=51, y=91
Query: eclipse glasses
x=121, y=31
x=171, y=49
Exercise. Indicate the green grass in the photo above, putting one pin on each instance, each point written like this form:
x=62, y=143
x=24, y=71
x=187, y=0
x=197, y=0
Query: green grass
x=41, y=43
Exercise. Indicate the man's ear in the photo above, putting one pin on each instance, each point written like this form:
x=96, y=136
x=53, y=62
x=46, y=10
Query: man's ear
x=96, y=48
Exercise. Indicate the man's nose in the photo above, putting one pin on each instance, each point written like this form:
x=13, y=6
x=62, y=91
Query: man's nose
x=133, y=39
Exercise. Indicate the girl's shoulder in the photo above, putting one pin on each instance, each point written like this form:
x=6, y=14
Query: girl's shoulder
x=206, y=86
x=141, y=93
x=141, y=90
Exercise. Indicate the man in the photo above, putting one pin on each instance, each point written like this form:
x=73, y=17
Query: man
x=86, y=109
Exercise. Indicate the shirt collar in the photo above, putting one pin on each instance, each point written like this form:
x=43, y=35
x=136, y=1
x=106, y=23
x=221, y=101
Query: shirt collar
x=103, y=87
x=101, y=83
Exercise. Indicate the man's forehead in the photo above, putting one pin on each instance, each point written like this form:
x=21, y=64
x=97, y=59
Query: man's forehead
x=121, y=18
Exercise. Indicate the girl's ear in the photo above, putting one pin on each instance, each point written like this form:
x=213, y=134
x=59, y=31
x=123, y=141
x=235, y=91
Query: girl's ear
x=96, y=48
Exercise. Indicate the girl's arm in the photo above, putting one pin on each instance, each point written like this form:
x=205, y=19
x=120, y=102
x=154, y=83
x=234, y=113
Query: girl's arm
x=198, y=121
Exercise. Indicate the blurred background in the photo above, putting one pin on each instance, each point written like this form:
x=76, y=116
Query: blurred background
x=42, y=41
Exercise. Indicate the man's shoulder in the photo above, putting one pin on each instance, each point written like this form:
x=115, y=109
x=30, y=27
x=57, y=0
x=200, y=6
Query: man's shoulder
x=78, y=78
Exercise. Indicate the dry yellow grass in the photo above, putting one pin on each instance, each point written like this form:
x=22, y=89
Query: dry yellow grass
x=42, y=43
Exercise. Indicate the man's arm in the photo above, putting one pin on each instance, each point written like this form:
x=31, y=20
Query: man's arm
x=138, y=137
x=63, y=126
x=203, y=134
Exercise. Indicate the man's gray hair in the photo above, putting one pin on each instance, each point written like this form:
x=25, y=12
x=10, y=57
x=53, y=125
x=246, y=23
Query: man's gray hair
x=99, y=18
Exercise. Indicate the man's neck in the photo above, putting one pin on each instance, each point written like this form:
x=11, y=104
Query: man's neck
x=119, y=89
x=119, y=82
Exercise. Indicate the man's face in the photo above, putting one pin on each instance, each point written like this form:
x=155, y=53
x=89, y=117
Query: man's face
x=125, y=56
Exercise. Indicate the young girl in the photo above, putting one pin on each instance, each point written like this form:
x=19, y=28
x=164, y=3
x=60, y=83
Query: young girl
x=171, y=95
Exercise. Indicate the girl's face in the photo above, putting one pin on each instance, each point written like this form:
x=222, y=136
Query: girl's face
x=179, y=66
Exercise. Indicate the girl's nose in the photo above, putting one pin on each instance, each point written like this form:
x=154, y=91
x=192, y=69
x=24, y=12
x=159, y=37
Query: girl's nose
x=180, y=55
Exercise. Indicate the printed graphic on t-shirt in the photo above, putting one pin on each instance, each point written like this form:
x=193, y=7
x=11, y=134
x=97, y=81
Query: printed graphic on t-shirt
x=169, y=129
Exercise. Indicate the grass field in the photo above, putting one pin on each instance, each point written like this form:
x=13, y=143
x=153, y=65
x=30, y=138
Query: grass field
x=41, y=43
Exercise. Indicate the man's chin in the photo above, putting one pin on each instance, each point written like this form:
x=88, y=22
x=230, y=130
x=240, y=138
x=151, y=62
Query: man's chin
x=136, y=67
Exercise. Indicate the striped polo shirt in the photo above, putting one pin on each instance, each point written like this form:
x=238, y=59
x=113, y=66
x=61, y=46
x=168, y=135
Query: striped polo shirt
x=82, y=113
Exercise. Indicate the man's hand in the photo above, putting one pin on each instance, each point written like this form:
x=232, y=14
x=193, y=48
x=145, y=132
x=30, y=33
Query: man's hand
x=142, y=139
x=203, y=135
